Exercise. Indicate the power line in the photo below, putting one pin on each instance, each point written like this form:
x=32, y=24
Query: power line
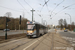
x=64, y=9
x=41, y=8
x=35, y=11
x=57, y=6
x=10, y=9
x=44, y=4
x=47, y=7
x=27, y=3
x=22, y=6
x=32, y=8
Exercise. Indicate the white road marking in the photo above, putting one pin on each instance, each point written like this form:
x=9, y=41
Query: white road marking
x=70, y=48
x=30, y=44
x=73, y=44
x=67, y=48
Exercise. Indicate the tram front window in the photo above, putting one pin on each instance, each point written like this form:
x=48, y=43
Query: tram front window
x=30, y=27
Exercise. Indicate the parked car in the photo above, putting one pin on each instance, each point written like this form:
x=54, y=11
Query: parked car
x=65, y=30
x=7, y=30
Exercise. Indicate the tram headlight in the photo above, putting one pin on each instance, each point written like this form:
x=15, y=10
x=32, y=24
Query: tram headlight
x=30, y=31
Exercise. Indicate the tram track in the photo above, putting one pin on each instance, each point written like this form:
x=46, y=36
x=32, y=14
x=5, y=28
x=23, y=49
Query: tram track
x=21, y=44
x=16, y=42
x=41, y=42
x=11, y=43
x=53, y=41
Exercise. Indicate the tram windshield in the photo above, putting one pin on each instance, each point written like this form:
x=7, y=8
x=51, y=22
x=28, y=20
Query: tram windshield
x=29, y=27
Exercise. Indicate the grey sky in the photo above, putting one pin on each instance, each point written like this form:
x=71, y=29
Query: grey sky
x=37, y=6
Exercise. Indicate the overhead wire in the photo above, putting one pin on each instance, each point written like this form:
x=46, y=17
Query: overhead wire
x=31, y=7
x=27, y=3
x=22, y=6
x=41, y=8
x=10, y=9
x=47, y=7
x=44, y=5
x=37, y=13
x=45, y=2
x=64, y=9
x=57, y=6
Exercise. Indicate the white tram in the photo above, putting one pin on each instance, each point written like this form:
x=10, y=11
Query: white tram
x=35, y=29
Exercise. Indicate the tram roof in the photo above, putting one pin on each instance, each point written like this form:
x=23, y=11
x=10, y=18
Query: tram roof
x=32, y=22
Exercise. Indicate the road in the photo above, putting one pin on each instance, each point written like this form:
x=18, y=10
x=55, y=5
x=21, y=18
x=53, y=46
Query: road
x=11, y=32
x=69, y=36
x=49, y=41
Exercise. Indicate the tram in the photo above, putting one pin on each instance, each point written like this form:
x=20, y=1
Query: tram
x=35, y=29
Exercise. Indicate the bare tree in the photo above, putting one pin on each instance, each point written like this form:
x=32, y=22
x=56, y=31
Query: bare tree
x=61, y=23
x=8, y=14
x=72, y=25
x=65, y=23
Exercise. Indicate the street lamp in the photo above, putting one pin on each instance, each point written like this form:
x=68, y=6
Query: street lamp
x=70, y=19
x=32, y=13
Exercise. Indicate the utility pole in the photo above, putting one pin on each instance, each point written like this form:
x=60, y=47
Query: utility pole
x=6, y=30
x=7, y=20
x=32, y=13
x=20, y=22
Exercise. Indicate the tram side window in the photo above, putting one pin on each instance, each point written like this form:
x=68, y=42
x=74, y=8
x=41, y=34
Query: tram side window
x=41, y=27
x=37, y=26
x=34, y=28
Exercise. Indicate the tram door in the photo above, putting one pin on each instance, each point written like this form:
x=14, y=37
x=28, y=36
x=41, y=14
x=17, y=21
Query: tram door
x=37, y=30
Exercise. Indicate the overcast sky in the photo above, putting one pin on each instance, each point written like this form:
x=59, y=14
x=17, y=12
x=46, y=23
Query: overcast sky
x=54, y=9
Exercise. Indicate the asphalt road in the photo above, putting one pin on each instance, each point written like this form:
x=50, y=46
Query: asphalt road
x=69, y=36
x=11, y=32
x=49, y=41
